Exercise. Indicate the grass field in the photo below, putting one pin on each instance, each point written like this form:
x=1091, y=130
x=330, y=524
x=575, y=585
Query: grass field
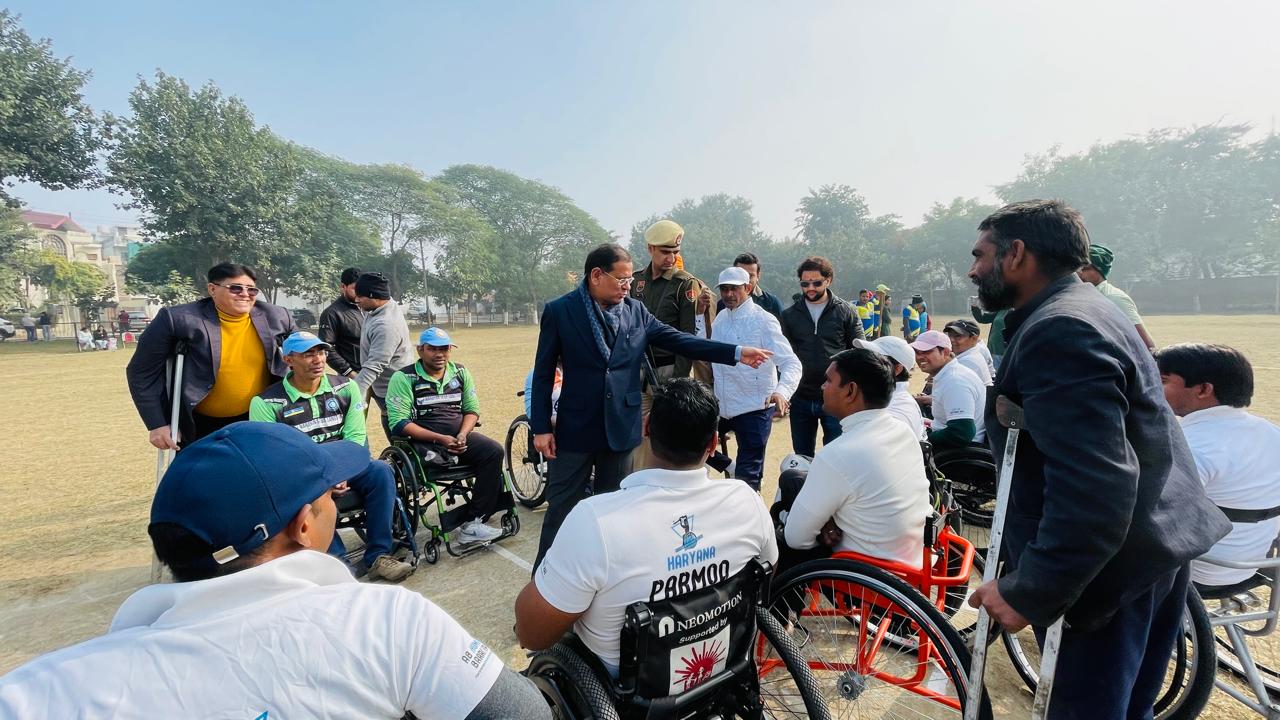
x=78, y=474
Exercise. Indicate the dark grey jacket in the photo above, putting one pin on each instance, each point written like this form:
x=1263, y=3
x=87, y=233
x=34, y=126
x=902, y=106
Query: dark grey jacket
x=1106, y=499
x=837, y=327
x=340, y=326
x=197, y=324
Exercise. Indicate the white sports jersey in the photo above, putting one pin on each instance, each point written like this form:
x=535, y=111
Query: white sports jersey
x=959, y=394
x=975, y=361
x=663, y=534
x=903, y=406
x=1237, y=455
x=296, y=637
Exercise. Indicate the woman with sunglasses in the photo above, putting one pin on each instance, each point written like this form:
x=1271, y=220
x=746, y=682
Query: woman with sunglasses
x=231, y=344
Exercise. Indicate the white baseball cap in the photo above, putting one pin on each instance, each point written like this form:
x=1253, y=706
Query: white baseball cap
x=733, y=276
x=894, y=348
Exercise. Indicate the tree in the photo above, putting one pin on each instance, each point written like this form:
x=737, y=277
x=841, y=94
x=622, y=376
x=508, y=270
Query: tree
x=17, y=258
x=394, y=199
x=835, y=222
x=48, y=135
x=80, y=284
x=464, y=247
x=540, y=233
x=206, y=179
x=936, y=252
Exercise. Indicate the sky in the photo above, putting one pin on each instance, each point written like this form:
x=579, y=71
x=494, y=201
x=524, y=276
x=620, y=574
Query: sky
x=629, y=107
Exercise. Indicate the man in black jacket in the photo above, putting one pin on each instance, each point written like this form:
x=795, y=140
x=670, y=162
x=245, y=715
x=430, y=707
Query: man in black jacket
x=232, y=354
x=340, y=326
x=1106, y=509
x=818, y=325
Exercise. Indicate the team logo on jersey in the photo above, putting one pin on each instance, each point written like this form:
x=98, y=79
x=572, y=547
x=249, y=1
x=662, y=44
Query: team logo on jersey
x=639, y=288
x=691, y=294
x=454, y=384
x=683, y=527
x=290, y=412
x=331, y=404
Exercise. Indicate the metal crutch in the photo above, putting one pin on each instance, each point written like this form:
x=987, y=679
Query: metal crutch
x=1010, y=416
x=173, y=381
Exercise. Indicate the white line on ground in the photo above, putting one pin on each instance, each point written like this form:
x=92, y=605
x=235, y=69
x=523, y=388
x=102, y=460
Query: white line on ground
x=514, y=558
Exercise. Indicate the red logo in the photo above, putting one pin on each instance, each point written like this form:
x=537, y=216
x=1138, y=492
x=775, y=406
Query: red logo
x=699, y=668
x=639, y=288
x=691, y=294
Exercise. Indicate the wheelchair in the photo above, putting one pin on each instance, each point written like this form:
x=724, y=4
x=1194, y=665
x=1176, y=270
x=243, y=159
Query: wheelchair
x=523, y=464
x=352, y=515
x=422, y=487
x=712, y=653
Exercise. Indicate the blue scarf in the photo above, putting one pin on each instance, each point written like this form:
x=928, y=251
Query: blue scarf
x=612, y=316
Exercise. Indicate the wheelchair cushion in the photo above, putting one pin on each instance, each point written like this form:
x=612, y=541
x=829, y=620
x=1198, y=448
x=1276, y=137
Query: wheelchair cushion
x=455, y=473
x=1222, y=592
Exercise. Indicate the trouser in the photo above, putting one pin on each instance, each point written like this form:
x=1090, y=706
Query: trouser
x=640, y=458
x=751, y=432
x=1116, y=671
x=382, y=405
x=376, y=487
x=46, y=332
x=806, y=415
x=567, y=481
x=206, y=425
x=485, y=455
x=31, y=333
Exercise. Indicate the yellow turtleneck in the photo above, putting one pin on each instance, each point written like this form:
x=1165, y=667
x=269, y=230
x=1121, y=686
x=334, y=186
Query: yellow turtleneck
x=242, y=370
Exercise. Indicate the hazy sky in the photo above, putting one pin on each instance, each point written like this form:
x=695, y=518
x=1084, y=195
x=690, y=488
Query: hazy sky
x=630, y=107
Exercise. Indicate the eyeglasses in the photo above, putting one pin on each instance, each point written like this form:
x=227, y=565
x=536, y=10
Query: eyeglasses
x=622, y=282
x=811, y=283
x=238, y=289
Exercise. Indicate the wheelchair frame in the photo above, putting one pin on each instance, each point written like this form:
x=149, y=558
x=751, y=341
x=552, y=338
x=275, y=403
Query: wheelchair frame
x=422, y=488
x=1228, y=617
x=403, y=530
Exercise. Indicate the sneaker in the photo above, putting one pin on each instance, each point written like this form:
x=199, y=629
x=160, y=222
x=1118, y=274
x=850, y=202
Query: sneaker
x=389, y=568
x=475, y=531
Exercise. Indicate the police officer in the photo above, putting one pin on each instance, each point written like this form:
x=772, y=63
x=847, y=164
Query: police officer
x=327, y=408
x=434, y=402
x=671, y=294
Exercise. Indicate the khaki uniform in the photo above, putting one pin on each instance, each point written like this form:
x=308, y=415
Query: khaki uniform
x=672, y=297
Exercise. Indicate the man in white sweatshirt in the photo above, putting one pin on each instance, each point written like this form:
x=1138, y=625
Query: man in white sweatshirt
x=749, y=397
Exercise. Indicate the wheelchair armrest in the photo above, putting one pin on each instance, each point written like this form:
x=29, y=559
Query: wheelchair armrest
x=1261, y=564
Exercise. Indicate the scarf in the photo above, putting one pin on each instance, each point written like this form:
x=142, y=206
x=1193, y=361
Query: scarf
x=612, y=316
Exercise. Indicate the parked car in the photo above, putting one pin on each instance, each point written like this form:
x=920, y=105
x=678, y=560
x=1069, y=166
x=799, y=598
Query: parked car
x=304, y=318
x=6, y=329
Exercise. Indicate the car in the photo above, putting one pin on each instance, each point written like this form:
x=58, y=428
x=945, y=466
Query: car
x=303, y=318
x=6, y=329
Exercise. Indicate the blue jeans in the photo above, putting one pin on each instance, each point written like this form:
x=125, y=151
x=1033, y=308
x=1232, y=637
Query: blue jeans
x=1116, y=671
x=376, y=487
x=751, y=432
x=805, y=418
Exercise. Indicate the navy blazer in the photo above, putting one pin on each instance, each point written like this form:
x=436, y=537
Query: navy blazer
x=599, y=407
x=197, y=324
x=1105, y=500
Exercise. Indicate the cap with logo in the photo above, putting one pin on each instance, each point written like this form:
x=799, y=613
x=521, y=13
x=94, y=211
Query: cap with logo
x=301, y=342
x=894, y=348
x=734, y=276
x=962, y=327
x=882, y=288
x=931, y=339
x=664, y=233
x=244, y=483
x=435, y=337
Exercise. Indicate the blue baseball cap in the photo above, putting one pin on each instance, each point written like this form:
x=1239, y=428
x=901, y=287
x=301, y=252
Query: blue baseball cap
x=435, y=337
x=301, y=342
x=244, y=483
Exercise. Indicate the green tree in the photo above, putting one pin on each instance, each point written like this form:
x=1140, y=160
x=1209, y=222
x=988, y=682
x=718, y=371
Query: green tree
x=936, y=253
x=78, y=283
x=394, y=199
x=835, y=222
x=541, y=235
x=48, y=134
x=17, y=258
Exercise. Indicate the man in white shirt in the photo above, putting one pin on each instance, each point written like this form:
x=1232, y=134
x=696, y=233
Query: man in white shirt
x=967, y=345
x=261, y=623
x=1209, y=387
x=668, y=531
x=959, y=395
x=749, y=396
x=865, y=492
x=902, y=406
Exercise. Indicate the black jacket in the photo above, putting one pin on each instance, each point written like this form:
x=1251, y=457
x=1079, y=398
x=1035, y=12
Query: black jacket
x=197, y=324
x=838, y=326
x=340, y=325
x=1106, y=499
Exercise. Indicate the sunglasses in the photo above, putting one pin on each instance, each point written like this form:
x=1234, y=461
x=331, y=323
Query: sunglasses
x=811, y=283
x=238, y=289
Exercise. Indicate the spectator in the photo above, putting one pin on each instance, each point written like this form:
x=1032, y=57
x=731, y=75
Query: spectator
x=122, y=321
x=385, y=346
x=84, y=338
x=764, y=299
x=232, y=354
x=29, y=324
x=1095, y=273
x=967, y=346
x=995, y=345
x=341, y=324
x=46, y=326
x=100, y=338
x=959, y=395
x=912, y=324
x=817, y=326
x=260, y=624
x=866, y=308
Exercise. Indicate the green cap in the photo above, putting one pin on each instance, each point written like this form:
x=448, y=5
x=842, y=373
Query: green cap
x=1101, y=258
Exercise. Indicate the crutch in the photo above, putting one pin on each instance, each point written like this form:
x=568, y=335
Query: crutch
x=172, y=381
x=1010, y=416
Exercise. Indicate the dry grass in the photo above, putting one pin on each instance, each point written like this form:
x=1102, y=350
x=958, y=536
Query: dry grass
x=78, y=474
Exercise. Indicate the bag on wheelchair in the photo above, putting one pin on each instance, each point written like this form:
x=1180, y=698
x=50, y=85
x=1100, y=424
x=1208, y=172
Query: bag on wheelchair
x=670, y=647
x=434, y=455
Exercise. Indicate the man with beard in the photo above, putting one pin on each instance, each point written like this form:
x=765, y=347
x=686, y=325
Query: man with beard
x=818, y=325
x=340, y=326
x=1105, y=507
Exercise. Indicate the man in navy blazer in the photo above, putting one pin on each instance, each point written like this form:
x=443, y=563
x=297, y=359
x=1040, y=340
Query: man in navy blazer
x=600, y=334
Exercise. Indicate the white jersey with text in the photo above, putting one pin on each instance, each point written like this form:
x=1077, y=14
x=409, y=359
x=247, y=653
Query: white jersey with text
x=959, y=394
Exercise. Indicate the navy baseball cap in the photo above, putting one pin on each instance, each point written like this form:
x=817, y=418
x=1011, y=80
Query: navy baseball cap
x=244, y=483
x=301, y=342
x=435, y=337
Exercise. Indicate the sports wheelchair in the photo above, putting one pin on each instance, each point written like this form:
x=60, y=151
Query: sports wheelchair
x=352, y=515
x=423, y=486
x=712, y=653
x=523, y=464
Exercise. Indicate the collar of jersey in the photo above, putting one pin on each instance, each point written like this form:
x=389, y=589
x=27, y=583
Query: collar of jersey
x=657, y=477
x=295, y=394
x=178, y=604
x=1210, y=414
x=866, y=417
x=450, y=372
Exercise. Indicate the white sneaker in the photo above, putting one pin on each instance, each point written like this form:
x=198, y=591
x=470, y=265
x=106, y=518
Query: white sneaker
x=475, y=531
